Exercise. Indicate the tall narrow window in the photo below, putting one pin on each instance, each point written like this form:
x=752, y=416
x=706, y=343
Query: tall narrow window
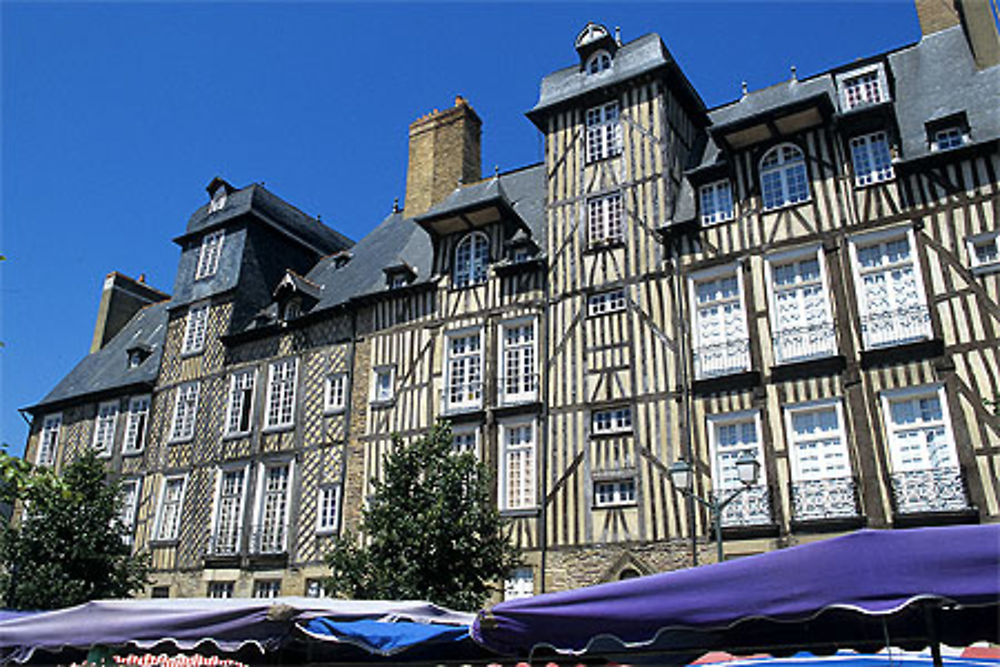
x=604, y=132
x=518, y=461
x=281, y=394
x=925, y=473
x=519, y=381
x=208, y=257
x=273, y=509
x=604, y=219
x=722, y=345
x=464, y=383
x=862, y=89
x=783, y=177
x=185, y=410
x=732, y=437
x=168, y=520
x=104, y=428
x=472, y=255
x=48, y=440
x=872, y=159
x=336, y=392
x=229, y=513
x=135, y=427
x=129, y=506
x=240, y=411
x=716, y=202
x=800, y=314
x=327, y=508
x=822, y=486
x=194, y=332
x=382, y=384
x=890, y=290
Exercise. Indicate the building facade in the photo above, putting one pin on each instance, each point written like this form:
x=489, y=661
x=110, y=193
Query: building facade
x=808, y=276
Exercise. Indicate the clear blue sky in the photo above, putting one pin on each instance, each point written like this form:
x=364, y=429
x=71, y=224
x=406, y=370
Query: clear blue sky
x=115, y=116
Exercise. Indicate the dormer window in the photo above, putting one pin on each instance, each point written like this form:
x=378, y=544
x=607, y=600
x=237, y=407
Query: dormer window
x=716, y=200
x=293, y=309
x=218, y=201
x=399, y=275
x=136, y=355
x=599, y=62
x=208, y=256
x=471, y=257
x=948, y=138
x=862, y=87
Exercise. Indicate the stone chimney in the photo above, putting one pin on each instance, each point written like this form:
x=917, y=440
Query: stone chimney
x=976, y=18
x=444, y=148
x=121, y=298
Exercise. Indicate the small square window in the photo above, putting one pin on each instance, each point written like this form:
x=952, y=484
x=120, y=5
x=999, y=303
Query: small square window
x=862, y=87
x=614, y=492
x=315, y=588
x=221, y=589
x=160, y=592
x=614, y=420
x=605, y=303
x=465, y=440
x=382, y=384
x=948, y=138
x=267, y=588
x=984, y=252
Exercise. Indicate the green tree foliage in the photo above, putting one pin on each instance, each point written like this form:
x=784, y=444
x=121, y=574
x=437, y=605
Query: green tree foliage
x=69, y=545
x=431, y=529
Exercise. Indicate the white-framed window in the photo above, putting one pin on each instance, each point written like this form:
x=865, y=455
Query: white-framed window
x=890, y=289
x=604, y=132
x=273, y=488
x=267, y=588
x=472, y=255
x=230, y=496
x=611, y=420
x=168, y=516
x=335, y=392
x=383, y=381
x=862, y=87
x=281, y=393
x=465, y=439
x=208, y=257
x=716, y=201
x=48, y=440
x=599, y=62
x=984, y=252
x=239, y=411
x=218, y=201
x=397, y=280
x=104, y=428
x=605, y=219
x=919, y=429
x=327, y=508
x=947, y=138
x=614, y=492
x=185, y=411
x=130, y=490
x=721, y=341
x=464, y=369
x=518, y=375
x=194, y=331
x=817, y=441
x=520, y=583
x=221, y=589
x=871, y=158
x=315, y=588
x=732, y=436
x=517, y=465
x=137, y=425
x=784, y=179
x=801, y=317
x=604, y=303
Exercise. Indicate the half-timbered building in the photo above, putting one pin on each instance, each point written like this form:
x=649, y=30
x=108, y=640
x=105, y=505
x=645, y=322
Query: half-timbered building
x=808, y=276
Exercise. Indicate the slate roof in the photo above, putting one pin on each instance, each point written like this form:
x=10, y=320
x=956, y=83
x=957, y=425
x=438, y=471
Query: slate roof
x=107, y=369
x=272, y=210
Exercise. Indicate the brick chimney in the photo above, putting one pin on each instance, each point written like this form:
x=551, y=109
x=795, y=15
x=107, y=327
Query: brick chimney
x=444, y=147
x=121, y=298
x=976, y=18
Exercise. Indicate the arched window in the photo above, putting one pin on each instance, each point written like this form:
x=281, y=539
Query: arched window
x=599, y=62
x=783, y=178
x=471, y=257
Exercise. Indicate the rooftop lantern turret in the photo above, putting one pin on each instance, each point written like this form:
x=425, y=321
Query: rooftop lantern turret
x=596, y=48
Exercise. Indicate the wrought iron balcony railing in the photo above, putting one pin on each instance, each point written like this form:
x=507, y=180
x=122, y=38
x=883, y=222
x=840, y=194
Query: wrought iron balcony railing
x=750, y=508
x=224, y=542
x=518, y=388
x=896, y=326
x=732, y=356
x=456, y=397
x=937, y=490
x=805, y=342
x=269, y=539
x=814, y=499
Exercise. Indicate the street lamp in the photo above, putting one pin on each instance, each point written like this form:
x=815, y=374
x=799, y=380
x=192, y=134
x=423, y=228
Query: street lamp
x=682, y=479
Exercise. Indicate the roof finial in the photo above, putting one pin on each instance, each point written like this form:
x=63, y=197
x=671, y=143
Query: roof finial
x=496, y=171
x=618, y=35
x=794, y=73
x=395, y=205
x=743, y=88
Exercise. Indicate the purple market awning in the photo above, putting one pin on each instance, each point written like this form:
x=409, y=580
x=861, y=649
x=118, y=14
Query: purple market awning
x=908, y=588
x=250, y=627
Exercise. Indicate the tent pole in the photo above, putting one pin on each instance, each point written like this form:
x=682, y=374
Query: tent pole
x=932, y=636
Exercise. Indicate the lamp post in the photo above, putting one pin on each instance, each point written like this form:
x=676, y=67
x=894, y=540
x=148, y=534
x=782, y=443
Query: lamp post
x=682, y=479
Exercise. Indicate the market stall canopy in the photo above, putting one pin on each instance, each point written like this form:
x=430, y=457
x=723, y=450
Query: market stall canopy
x=289, y=629
x=907, y=588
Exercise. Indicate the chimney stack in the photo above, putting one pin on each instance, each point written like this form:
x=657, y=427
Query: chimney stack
x=121, y=298
x=444, y=149
x=976, y=18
